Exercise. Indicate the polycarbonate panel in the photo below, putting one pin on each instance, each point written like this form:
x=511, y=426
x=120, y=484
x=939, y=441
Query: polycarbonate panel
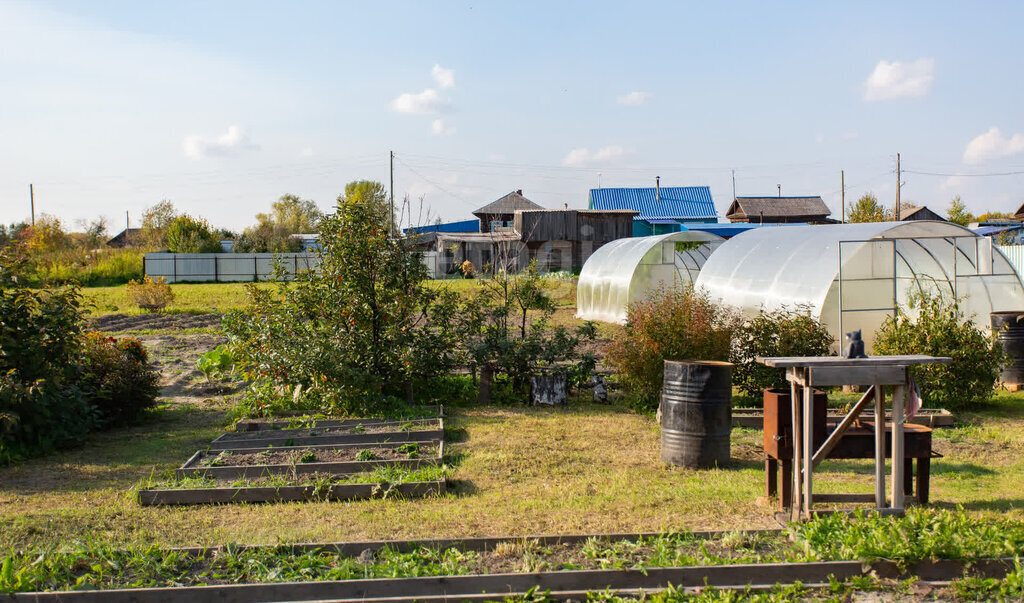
x=626, y=270
x=799, y=266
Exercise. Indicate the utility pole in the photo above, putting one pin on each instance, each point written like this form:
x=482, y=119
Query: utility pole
x=779, y=186
x=127, y=222
x=32, y=202
x=899, y=185
x=842, y=195
x=391, y=205
x=733, y=185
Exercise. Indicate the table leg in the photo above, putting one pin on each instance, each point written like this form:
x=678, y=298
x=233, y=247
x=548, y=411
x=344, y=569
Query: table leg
x=879, y=446
x=908, y=476
x=771, y=477
x=797, y=418
x=898, y=401
x=786, y=500
x=808, y=446
x=924, y=467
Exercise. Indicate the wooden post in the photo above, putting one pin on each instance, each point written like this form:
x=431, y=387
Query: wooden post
x=879, y=446
x=808, y=444
x=898, y=400
x=795, y=418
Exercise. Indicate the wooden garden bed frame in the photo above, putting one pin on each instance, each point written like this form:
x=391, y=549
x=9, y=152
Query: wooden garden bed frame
x=281, y=438
x=261, y=494
x=191, y=468
x=247, y=425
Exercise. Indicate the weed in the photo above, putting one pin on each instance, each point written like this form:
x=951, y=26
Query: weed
x=308, y=457
x=366, y=455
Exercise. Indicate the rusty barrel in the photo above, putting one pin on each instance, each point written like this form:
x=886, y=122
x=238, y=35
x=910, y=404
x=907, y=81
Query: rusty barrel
x=1009, y=327
x=696, y=413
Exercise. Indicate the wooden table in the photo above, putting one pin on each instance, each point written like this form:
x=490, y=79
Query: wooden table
x=877, y=372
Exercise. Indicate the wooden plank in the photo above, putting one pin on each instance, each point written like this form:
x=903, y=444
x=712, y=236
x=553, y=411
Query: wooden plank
x=898, y=405
x=856, y=375
x=837, y=361
x=291, y=431
x=351, y=438
x=879, y=446
x=794, y=407
x=844, y=498
x=202, y=496
x=432, y=441
x=808, y=446
x=340, y=468
x=840, y=429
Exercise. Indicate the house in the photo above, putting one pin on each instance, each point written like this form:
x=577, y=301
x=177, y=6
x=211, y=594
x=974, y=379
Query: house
x=497, y=216
x=125, y=238
x=911, y=213
x=1019, y=214
x=764, y=210
x=659, y=210
x=460, y=226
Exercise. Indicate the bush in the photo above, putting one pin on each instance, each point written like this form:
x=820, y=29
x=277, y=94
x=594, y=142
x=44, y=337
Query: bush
x=672, y=324
x=150, y=294
x=941, y=329
x=191, y=235
x=118, y=377
x=776, y=333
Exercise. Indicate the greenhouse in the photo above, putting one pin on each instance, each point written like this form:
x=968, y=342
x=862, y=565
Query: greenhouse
x=625, y=270
x=853, y=276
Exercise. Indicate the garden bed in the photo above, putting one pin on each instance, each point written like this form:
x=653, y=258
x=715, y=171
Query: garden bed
x=298, y=420
x=363, y=433
x=305, y=493
x=330, y=460
x=753, y=418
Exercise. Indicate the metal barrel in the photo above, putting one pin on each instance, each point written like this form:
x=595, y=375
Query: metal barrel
x=696, y=413
x=1009, y=327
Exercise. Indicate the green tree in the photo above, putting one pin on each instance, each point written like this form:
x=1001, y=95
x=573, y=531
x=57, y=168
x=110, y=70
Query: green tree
x=272, y=232
x=957, y=212
x=994, y=216
x=155, y=222
x=191, y=235
x=868, y=209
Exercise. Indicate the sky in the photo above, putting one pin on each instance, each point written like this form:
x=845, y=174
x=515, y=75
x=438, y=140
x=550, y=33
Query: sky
x=108, y=107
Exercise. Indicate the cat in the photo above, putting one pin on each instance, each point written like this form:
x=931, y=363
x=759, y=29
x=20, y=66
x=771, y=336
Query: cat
x=854, y=345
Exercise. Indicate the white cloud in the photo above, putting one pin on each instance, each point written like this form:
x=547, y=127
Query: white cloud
x=584, y=157
x=897, y=79
x=444, y=78
x=232, y=142
x=306, y=152
x=428, y=102
x=634, y=98
x=992, y=145
x=438, y=128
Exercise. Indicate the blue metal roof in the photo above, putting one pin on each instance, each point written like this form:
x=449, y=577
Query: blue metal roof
x=676, y=202
x=730, y=229
x=985, y=231
x=462, y=226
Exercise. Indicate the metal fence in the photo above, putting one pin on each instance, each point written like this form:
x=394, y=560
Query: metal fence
x=1014, y=253
x=225, y=267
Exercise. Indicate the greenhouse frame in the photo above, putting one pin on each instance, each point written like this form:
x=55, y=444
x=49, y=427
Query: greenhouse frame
x=854, y=276
x=626, y=270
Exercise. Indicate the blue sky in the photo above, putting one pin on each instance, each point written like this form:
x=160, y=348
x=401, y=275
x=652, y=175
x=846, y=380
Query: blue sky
x=221, y=107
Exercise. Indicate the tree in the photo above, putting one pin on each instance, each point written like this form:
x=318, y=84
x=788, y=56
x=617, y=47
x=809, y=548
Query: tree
x=47, y=235
x=868, y=209
x=994, y=216
x=155, y=222
x=957, y=212
x=272, y=232
x=186, y=234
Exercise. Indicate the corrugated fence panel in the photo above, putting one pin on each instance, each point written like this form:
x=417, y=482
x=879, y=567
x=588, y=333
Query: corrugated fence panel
x=1014, y=253
x=225, y=267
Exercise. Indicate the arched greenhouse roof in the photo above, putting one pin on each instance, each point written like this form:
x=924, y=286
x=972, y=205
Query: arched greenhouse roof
x=882, y=265
x=625, y=270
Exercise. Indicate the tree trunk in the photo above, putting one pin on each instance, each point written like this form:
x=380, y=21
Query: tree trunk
x=484, y=393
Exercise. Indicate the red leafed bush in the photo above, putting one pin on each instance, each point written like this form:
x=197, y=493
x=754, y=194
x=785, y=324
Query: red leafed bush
x=118, y=376
x=672, y=324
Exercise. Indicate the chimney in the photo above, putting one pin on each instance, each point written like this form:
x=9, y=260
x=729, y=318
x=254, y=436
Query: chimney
x=657, y=188
x=519, y=192
x=566, y=205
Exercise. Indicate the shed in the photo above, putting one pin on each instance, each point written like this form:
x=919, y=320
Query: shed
x=854, y=276
x=660, y=209
x=627, y=270
x=498, y=214
x=563, y=239
x=1019, y=214
x=125, y=238
x=778, y=209
x=908, y=214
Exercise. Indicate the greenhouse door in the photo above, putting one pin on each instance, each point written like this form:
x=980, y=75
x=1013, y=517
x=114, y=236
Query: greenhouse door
x=867, y=287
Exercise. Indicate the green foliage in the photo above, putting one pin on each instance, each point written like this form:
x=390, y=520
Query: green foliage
x=118, y=377
x=775, y=333
x=958, y=214
x=674, y=323
x=155, y=222
x=353, y=336
x=272, y=232
x=150, y=294
x=186, y=234
x=366, y=455
x=506, y=329
x=1008, y=588
x=868, y=209
x=217, y=361
x=941, y=329
x=308, y=457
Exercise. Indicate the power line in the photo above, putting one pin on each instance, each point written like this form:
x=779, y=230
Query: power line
x=987, y=175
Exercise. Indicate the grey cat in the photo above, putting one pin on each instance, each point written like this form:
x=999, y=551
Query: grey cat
x=854, y=345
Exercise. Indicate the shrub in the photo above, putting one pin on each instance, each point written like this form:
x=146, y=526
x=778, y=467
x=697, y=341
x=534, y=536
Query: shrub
x=215, y=362
x=776, y=333
x=150, y=294
x=674, y=323
x=941, y=329
x=118, y=377
x=191, y=235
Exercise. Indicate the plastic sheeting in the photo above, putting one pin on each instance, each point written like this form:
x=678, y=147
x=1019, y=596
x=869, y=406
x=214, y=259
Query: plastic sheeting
x=854, y=276
x=625, y=270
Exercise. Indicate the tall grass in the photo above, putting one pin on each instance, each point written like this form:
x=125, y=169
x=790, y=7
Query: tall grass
x=97, y=267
